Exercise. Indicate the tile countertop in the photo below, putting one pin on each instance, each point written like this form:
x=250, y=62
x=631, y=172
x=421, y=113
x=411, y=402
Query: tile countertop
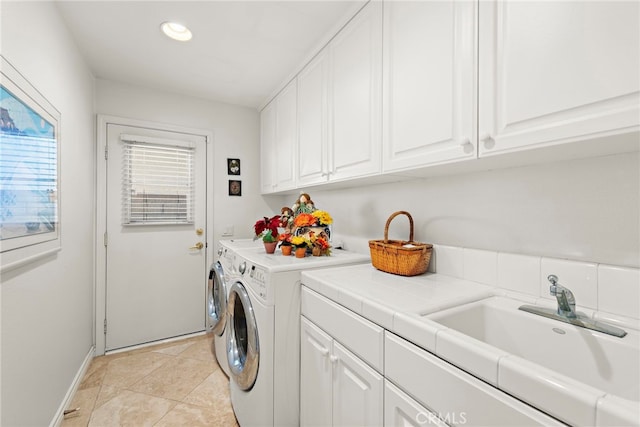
x=401, y=305
x=398, y=304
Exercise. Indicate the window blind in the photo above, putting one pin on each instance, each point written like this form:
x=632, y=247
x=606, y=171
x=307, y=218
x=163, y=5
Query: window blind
x=28, y=185
x=158, y=185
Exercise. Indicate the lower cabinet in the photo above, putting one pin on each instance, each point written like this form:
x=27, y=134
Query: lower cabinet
x=457, y=397
x=400, y=410
x=336, y=387
x=354, y=373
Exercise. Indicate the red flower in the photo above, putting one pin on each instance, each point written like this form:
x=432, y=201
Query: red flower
x=267, y=224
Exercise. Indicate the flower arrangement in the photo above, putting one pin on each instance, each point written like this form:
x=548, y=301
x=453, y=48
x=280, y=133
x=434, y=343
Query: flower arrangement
x=267, y=229
x=302, y=226
x=304, y=220
x=322, y=217
x=300, y=242
x=320, y=246
x=285, y=239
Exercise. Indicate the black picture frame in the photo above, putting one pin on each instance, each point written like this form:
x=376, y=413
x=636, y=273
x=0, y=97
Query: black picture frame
x=235, y=187
x=233, y=166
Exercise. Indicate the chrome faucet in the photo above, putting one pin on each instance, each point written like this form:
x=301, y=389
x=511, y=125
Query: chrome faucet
x=566, y=300
x=566, y=311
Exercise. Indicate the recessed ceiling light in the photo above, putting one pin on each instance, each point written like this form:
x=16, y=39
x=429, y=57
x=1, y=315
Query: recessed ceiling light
x=176, y=31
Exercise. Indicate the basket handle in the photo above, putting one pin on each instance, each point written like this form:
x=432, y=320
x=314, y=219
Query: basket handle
x=393, y=215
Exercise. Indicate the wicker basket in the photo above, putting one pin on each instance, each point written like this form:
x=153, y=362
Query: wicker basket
x=405, y=258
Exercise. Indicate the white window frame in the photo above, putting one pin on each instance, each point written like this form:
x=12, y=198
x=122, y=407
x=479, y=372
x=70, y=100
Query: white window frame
x=18, y=251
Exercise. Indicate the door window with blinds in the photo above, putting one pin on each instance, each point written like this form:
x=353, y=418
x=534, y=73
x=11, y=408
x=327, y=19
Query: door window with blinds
x=29, y=171
x=158, y=185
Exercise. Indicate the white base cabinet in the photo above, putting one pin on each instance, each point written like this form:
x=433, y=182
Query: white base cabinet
x=336, y=387
x=454, y=395
x=400, y=410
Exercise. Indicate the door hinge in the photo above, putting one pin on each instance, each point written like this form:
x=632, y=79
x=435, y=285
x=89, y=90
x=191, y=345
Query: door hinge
x=106, y=239
x=106, y=152
x=105, y=326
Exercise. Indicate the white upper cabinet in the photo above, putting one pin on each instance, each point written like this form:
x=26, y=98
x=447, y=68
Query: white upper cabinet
x=339, y=104
x=355, y=89
x=267, y=148
x=278, y=142
x=429, y=83
x=313, y=149
x=554, y=72
x=286, y=138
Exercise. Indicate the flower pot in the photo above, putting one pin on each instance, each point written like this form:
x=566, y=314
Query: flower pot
x=270, y=247
x=316, y=251
x=286, y=250
x=301, y=252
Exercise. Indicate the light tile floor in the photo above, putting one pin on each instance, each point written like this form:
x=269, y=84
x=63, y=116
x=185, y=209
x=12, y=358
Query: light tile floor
x=166, y=385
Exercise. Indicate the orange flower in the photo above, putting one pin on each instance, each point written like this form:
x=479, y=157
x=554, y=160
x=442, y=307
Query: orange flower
x=304, y=220
x=322, y=243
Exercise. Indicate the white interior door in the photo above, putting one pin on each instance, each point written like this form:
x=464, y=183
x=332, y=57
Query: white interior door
x=155, y=235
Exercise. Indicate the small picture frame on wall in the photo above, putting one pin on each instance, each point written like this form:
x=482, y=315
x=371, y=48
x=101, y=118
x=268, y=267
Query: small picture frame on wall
x=233, y=166
x=235, y=187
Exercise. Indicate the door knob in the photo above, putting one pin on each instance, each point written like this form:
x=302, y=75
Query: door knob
x=198, y=245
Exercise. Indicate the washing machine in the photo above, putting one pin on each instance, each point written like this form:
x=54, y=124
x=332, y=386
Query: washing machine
x=220, y=273
x=263, y=337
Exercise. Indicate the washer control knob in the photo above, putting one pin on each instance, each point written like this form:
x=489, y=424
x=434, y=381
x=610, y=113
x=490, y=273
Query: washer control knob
x=242, y=267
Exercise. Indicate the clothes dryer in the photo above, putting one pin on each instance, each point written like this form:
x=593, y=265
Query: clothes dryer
x=220, y=273
x=263, y=337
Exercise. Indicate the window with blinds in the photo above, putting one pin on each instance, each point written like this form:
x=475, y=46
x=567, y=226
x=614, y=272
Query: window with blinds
x=29, y=171
x=158, y=185
x=28, y=183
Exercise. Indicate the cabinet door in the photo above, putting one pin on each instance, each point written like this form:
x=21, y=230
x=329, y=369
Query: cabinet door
x=286, y=138
x=400, y=410
x=553, y=72
x=429, y=88
x=313, y=158
x=267, y=148
x=354, y=95
x=357, y=391
x=316, y=376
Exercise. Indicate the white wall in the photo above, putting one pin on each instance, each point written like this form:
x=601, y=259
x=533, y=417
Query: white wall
x=47, y=306
x=584, y=210
x=236, y=134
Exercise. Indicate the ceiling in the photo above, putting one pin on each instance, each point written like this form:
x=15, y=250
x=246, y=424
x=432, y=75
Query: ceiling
x=241, y=51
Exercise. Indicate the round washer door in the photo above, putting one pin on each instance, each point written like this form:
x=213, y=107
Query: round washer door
x=243, y=349
x=217, y=299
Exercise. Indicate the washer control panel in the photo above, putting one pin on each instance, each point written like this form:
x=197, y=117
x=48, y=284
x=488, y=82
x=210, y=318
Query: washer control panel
x=258, y=278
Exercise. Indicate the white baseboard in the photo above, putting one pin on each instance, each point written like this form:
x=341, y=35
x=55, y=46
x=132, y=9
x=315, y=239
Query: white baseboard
x=68, y=398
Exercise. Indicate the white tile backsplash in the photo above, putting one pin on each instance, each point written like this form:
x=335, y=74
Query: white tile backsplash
x=450, y=261
x=519, y=273
x=619, y=290
x=599, y=289
x=480, y=266
x=581, y=278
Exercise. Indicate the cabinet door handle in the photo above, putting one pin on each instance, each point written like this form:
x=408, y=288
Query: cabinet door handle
x=488, y=141
x=466, y=145
x=333, y=358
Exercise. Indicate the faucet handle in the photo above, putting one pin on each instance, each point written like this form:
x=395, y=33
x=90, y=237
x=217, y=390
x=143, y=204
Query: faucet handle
x=553, y=279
